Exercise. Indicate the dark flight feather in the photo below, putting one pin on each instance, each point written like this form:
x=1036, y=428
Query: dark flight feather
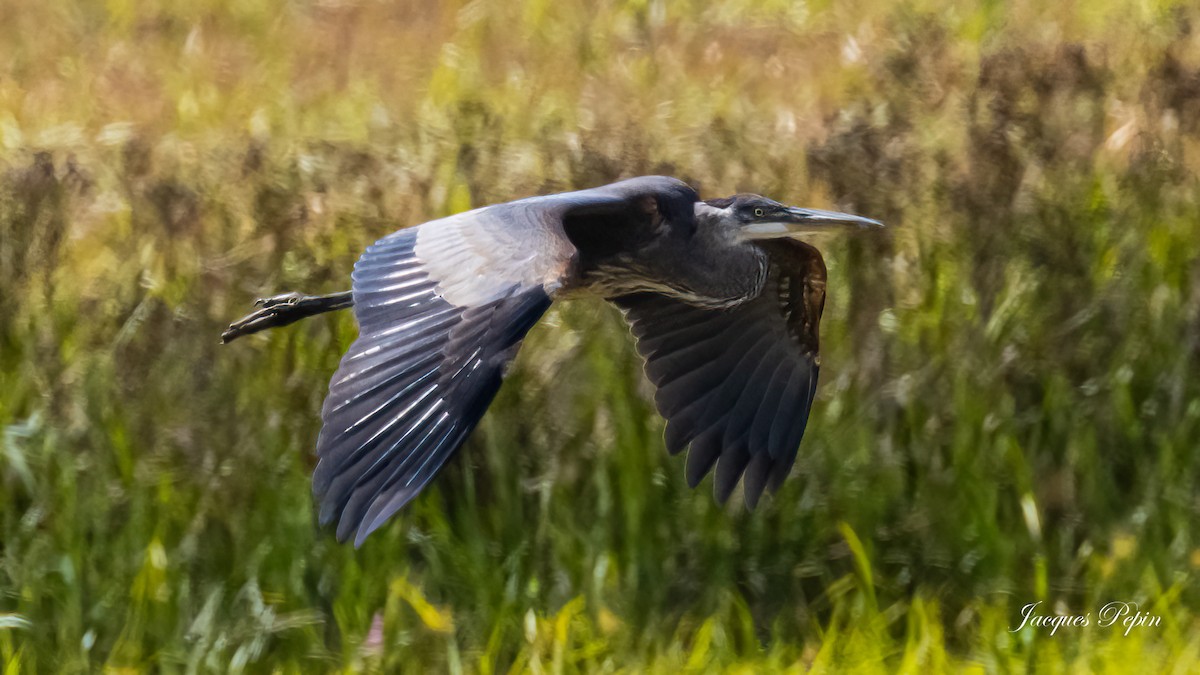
x=737, y=384
x=411, y=388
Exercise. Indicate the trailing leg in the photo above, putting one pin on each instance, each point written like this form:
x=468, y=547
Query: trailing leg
x=280, y=310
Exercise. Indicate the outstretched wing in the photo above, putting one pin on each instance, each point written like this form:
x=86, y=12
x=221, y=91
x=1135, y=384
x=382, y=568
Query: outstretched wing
x=737, y=385
x=442, y=309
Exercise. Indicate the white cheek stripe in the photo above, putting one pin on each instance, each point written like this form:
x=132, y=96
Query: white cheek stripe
x=767, y=228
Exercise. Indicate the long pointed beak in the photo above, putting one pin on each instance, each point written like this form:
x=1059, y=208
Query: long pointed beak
x=797, y=221
x=819, y=218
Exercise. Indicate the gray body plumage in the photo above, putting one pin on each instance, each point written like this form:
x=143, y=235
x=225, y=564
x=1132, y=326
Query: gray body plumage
x=724, y=304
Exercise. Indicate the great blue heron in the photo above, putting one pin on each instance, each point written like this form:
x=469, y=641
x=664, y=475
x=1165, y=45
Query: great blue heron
x=722, y=297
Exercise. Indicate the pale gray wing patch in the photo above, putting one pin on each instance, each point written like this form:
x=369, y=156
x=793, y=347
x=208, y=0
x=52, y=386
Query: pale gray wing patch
x=477, y=254
x=523, y=243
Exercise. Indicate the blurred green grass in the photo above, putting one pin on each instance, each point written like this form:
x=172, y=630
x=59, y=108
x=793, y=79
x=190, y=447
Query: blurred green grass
x=1009, y=409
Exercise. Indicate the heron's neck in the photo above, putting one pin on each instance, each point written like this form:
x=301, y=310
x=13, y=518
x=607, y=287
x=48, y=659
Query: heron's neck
x=708, y=214
x=717, y=224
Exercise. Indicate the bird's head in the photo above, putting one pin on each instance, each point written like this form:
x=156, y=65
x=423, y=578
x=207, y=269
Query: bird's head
x=753, y=216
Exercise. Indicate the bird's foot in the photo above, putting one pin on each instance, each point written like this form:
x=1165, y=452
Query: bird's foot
x=281, y=299
x=282, y=309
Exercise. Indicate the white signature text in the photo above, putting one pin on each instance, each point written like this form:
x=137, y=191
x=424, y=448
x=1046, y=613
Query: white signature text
x=1125, y=614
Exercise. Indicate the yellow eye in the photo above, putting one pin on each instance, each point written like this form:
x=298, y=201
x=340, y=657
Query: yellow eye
x=758, y=213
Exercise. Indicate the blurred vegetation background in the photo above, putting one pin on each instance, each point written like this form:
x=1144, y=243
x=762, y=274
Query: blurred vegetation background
x=1009, y=411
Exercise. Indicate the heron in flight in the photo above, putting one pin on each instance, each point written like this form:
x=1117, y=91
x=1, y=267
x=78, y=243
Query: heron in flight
x=722, y=296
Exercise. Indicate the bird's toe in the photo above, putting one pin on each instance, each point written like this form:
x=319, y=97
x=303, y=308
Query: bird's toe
x=281, y=299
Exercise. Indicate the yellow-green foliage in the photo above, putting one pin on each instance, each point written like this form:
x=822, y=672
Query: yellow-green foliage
x=1010, y=403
